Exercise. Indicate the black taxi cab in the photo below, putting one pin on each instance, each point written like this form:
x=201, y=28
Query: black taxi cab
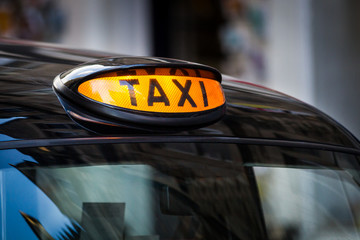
x=99, y=146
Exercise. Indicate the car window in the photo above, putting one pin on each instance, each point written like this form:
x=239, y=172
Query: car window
x=178, y=191
x=308, y=203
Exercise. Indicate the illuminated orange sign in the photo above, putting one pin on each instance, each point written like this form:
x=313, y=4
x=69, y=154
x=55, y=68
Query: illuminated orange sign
x=155, y=93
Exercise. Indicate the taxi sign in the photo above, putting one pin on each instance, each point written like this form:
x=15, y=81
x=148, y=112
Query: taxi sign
x=155, y=93
x=151, y=92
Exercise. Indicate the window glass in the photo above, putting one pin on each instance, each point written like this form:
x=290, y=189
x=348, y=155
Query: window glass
x=178, y=191
x=308, y=203
x=182, y=195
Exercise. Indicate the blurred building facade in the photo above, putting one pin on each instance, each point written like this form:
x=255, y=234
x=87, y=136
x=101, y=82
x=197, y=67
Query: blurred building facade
x=313, y=54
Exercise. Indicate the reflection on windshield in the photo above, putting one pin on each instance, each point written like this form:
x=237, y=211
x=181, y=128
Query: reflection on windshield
x=20, y=196
x=308, y=203
x=178, y=191
x=127, y=202
x=85, y=195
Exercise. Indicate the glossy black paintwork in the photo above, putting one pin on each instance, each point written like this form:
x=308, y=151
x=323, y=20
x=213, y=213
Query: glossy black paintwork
x=29, y=109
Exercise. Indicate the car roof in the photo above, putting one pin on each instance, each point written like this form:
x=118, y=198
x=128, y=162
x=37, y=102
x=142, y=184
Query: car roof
x=30, y=110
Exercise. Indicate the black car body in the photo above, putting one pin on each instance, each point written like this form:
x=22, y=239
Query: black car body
x=271, y=168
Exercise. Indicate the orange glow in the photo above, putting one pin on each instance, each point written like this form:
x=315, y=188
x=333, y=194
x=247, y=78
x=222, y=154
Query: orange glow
x=155, y=93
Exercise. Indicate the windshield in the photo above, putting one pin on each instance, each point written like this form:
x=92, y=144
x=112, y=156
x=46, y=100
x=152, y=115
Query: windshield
x=179, y=191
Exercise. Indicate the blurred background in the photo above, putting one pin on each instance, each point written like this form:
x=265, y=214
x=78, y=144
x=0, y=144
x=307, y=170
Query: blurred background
x=308, y=49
